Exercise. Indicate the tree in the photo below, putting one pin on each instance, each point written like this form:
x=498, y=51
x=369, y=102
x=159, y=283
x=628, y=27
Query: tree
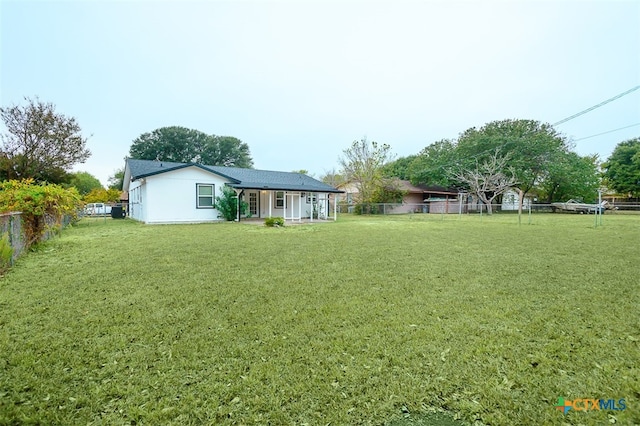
x=116, y=181
x=399, y=168
x=301, y=171
x=488, y=180
x=532, y=147
x=622, y=168
x=227, y=151
x=571, y=176
x=182, y=145
x=102, y=195
x=84, y=182
x=39, y=143
x=362, y=165
x=332, y=178
x=435, y=164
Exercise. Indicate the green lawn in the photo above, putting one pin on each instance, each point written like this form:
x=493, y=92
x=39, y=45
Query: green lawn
x=369, y=320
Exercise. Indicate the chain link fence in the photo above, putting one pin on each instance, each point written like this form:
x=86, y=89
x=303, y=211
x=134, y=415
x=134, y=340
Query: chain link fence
x=453, y=207
x=11, y=231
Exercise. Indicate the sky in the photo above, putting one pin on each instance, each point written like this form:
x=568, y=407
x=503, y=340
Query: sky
x=299, y=81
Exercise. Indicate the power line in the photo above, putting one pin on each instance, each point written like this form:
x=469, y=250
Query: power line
x=564, y=120
x=608, y=131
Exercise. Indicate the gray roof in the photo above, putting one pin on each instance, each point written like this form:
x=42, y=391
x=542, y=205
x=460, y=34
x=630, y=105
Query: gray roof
x=240, y=178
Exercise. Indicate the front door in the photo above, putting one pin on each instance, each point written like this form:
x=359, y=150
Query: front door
x=253, y=203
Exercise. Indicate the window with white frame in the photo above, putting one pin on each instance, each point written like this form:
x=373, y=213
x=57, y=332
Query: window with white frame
x=205, y=193
x=311, y=198
x=279, y=199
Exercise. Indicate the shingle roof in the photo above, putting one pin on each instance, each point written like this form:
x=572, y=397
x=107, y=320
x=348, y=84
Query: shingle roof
x=240, y=178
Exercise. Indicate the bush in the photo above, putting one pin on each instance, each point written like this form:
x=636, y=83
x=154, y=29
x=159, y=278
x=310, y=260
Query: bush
x=43, y=206
x=366, y=208
x=274, y=221
x=6, y=253
x=227, y=204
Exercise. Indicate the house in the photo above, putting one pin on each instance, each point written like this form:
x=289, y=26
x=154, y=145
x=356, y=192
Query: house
x=511, y=200
x=165, y=192
x=428, y=198
x=416, y=199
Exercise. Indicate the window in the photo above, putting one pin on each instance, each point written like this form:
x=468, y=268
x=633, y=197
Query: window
x=205, y=193
x=311, y=198
x=279, y=199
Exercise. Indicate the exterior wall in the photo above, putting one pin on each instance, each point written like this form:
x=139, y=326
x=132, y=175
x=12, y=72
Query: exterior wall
x=411, y=203
x=136, y=206
x=511, y=200
x=171, y=197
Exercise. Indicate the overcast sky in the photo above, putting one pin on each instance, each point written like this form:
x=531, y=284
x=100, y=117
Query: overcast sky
x=299, y=81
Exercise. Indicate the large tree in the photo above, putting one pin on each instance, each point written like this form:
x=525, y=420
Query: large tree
x=39, y=143
x=84, y=182
x=571, y=176
x=400, y=167
x=532, y=148
x=182, y=145
x=622, y=169
x=489, y=179
x=362, y=164
x=116, y=180
x=436, y=164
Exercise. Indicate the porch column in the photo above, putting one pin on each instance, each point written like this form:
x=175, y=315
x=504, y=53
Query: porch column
x=269, y=194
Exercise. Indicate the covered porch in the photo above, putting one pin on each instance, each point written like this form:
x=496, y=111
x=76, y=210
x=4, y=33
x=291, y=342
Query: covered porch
x=292, y=205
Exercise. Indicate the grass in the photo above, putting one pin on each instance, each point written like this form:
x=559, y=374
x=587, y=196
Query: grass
x=407, y=320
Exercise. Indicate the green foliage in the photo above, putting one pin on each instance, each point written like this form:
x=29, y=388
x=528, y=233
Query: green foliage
x=43, y=206
x=274, y=221
x=435, y=165
x=571, y=176
x=362, y=164
x=183, y=145
x=227, y=204
x=6, y=253
x=102, y=195
x=116, y=180
x=39, y=143
x=532, y=148
x=399, y=168
x=84, y=182
x=389, y=192
x=622, y=169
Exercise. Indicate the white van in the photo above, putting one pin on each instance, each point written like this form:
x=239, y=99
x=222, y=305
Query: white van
x=92, y=209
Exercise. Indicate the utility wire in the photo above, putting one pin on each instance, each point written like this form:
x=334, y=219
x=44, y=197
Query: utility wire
x=608, y=131
x=564, y=120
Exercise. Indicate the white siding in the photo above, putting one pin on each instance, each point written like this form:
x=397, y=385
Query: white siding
x=171, y=197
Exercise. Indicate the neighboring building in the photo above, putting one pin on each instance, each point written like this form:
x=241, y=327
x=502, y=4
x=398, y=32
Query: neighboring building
x=416, y=199
x=165, y=192
x=511, y=200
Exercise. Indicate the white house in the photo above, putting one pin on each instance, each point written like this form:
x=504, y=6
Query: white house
x=511, y=200
x=165, y=192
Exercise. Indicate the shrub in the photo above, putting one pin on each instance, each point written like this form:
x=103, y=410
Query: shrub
x=274, y=221
x=6, y=253
x=43, y=206
x=366, y=208
x=227, y=204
